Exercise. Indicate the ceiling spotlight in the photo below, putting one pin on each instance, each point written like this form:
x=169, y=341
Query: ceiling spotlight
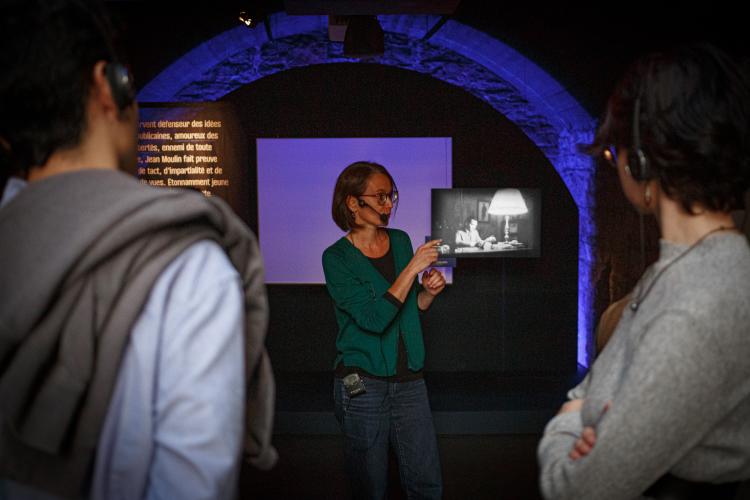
x=249, y=19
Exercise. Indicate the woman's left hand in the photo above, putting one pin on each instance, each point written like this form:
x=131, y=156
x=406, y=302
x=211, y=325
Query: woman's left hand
x=433, y=282
x=584, y=444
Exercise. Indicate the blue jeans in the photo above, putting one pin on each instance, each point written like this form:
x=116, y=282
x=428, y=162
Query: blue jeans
x=389, y=414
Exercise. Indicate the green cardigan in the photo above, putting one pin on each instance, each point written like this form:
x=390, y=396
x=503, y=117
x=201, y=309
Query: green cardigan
x=369, y=324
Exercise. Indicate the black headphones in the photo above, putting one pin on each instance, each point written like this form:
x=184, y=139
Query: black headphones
x=637, y=160
x=119, y=78
x=121, y=82
x=361, y=202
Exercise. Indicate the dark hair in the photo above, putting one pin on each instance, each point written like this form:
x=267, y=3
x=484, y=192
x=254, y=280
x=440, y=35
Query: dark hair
x=48, y=51
x=352, y=181
x=694, y=121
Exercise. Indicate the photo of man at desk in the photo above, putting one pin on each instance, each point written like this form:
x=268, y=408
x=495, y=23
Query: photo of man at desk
x=487, y=222
x=468, y=237
x=469, y=240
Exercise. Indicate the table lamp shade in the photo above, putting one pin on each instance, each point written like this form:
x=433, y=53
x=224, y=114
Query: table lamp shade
x=507, y=202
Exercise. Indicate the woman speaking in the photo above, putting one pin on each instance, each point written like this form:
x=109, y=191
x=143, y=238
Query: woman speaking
x=379, y=390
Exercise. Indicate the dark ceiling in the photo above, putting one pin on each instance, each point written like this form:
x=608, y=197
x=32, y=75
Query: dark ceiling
x=584, y=48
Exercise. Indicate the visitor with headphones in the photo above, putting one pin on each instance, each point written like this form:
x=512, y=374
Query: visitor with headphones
x=379, y=389
x=132, y=318
x=665, y=409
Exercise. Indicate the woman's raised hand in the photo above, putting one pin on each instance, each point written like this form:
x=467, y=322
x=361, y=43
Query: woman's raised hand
x=424, y=256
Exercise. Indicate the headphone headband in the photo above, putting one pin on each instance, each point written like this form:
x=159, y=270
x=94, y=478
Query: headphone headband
x=639, y=164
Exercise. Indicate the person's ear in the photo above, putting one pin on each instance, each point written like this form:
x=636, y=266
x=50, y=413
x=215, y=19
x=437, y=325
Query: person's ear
x=101, y=91
x=351, y=203
x=5, y=145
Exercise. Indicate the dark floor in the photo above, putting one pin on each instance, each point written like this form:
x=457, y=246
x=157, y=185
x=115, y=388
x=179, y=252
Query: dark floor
x=488, y=429
x=474, y=467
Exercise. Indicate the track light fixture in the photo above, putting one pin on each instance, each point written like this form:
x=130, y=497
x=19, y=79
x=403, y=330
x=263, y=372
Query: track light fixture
x=249, y=20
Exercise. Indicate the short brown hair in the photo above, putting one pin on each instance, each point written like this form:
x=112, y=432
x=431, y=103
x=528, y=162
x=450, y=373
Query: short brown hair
x=693, y=114
x=353, y=182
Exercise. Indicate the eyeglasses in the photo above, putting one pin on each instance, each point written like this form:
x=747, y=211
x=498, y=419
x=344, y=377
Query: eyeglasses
x=383, y=197
x=610, y=155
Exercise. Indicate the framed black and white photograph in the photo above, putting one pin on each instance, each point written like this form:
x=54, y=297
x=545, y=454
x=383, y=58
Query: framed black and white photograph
x=487, y=222
x=482, y=207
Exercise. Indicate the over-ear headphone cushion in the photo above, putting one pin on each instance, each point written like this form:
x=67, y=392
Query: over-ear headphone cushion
x=360, y=202
x=121, y=83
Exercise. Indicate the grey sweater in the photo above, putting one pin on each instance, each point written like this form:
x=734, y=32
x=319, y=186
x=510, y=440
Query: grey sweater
x=677, y=373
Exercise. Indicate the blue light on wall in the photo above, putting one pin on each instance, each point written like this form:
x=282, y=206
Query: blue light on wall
x=456, y=54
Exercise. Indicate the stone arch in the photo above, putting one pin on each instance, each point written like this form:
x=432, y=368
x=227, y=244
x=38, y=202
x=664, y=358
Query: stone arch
x=456, y=54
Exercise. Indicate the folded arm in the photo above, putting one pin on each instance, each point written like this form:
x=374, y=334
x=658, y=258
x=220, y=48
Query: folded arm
x=667, y=402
